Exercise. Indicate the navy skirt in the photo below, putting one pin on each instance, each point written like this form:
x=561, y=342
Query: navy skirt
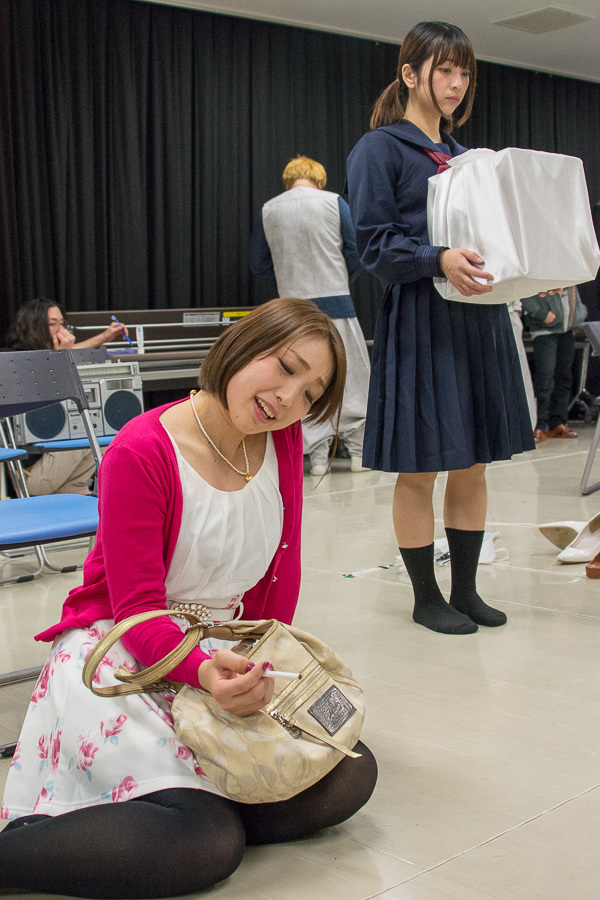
x=446, y=389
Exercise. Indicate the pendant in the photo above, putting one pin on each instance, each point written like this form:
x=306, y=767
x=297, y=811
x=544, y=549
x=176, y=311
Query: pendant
x=248, y=477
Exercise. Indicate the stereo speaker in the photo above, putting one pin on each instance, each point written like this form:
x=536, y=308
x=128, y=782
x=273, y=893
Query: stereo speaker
x=114, y=394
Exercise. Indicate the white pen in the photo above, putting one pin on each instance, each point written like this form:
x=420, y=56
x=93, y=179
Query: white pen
x=291, y=676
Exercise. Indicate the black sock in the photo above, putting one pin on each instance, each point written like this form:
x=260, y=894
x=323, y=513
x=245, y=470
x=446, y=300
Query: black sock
x=465, y=547
x=431, y=610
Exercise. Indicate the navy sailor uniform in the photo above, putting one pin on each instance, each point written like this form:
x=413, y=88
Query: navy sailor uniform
x=446, y=389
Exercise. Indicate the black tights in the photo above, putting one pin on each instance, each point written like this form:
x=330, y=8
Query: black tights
x=171, y=842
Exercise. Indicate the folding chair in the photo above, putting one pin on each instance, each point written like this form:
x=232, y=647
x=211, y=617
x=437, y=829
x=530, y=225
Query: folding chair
x=7, y=454
x=30, y=380
x=85, y=356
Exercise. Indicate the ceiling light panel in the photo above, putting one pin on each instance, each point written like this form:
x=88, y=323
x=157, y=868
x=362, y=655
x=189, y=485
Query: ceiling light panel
x=543, y=19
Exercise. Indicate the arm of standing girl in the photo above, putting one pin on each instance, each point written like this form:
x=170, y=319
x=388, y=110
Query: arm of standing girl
x=460, y=268
x=385, y=244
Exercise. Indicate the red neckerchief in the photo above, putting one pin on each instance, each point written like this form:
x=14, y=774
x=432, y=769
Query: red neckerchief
x=438, y=157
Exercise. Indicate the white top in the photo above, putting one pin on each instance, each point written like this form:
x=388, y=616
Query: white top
x=112, y=749
x=227, y=539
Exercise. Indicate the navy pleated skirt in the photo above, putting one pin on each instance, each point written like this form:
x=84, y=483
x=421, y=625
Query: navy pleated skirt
x=446, y=389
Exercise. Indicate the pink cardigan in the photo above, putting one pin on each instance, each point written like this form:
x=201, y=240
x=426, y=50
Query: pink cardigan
x=140, y=507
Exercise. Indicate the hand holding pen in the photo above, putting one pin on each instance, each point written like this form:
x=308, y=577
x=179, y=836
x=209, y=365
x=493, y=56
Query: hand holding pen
x=122, y=329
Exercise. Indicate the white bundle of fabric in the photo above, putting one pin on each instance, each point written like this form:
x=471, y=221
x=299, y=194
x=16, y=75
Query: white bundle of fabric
x=525, y=212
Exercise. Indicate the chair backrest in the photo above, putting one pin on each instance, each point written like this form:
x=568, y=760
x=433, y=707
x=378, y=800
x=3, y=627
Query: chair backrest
x=90, y=356
x=33, y=379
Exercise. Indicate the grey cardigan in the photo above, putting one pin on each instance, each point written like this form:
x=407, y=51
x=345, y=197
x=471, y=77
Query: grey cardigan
x=536, y=308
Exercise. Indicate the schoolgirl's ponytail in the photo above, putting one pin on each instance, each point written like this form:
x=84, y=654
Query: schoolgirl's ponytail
x=439, y=42
x=390, y=106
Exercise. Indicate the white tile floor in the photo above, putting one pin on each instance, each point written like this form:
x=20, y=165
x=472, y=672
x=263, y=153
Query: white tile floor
x=488, y=744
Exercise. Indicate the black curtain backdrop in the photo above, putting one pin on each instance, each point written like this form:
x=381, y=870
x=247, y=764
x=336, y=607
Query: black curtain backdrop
x=138, y=141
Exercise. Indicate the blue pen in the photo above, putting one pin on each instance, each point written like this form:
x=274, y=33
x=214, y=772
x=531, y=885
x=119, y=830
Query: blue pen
x=127, y=338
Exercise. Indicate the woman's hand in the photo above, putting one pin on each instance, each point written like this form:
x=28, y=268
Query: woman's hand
x=236, y=684
x=109, y=334
x=549, y=318
x=460, y=268
x=114, y=330
x=62, y=339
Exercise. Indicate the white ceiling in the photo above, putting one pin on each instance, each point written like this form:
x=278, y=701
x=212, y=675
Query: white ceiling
x=574, y=50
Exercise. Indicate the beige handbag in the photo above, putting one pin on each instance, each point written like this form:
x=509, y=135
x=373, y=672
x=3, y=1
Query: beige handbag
x=309, y=725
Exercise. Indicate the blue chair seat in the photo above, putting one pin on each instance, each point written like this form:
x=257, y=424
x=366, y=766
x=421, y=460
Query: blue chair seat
x=42, y=520
x=73, y=444
x=9, y=453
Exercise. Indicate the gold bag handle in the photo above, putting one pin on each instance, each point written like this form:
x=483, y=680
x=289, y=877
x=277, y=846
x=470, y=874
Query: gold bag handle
x=149, y=679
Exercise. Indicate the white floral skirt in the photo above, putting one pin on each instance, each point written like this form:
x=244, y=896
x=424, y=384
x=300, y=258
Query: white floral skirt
x=77, y=750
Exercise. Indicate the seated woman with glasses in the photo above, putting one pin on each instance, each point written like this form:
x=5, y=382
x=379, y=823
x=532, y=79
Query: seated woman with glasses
x=40, y=325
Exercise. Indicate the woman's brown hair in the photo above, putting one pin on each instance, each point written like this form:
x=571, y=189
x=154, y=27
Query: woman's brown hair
x=442, y=42
x=265, y=330
x=30, y=329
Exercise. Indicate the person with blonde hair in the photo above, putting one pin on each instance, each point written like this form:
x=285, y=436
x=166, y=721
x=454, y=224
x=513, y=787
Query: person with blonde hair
x=303, y=244
x=303, y=168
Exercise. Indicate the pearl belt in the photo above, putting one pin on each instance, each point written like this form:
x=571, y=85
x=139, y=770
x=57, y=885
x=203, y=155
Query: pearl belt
x=206, y=615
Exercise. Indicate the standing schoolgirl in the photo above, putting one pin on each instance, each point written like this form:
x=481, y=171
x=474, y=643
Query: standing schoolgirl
x=446, y=392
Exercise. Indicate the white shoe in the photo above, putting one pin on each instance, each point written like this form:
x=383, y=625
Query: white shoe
x=585, y=546
x=318, y=470
x=356, y=464
x=561, y=533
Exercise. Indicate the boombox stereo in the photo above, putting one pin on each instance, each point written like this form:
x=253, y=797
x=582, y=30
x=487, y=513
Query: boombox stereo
x=114, y=394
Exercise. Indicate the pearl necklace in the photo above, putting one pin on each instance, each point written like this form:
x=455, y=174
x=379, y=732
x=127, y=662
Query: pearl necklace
x=245, y=474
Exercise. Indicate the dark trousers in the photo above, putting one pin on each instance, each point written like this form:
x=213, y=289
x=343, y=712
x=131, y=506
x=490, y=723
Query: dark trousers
x=553, y=378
